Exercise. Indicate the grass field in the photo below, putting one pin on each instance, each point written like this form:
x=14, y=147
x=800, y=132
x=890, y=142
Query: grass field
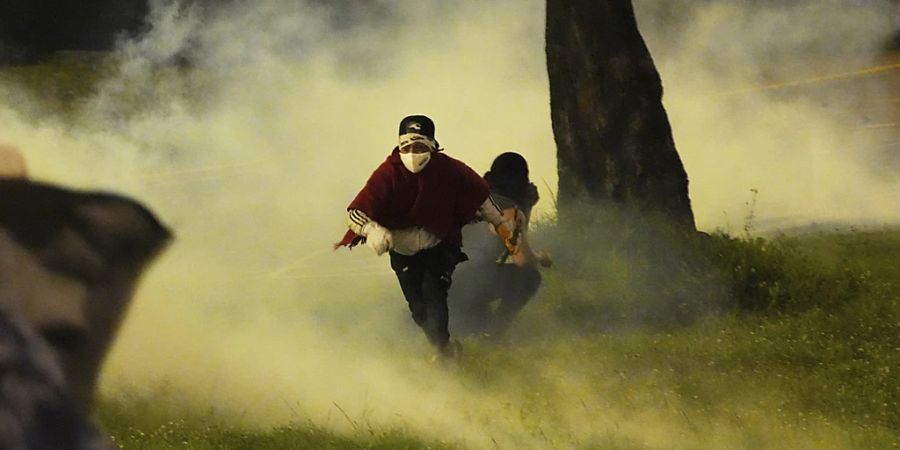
x=789, y=342
x=727, y=341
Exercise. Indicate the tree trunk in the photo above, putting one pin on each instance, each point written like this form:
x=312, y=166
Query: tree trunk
x=614, y=141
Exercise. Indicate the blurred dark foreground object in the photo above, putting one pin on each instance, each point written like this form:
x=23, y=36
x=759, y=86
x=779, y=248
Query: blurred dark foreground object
x=69, y=264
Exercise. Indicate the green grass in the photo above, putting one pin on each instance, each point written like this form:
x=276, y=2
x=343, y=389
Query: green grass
x=66, y=85
x=161, y=422
x=60, y=85
x=815, y=319
x=634, y=338
x=812, y=363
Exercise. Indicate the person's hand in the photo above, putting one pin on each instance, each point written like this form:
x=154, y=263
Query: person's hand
x=543, y=258
x=506, y=230
x=378, y=238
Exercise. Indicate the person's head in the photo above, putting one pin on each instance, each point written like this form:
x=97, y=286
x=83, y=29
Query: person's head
x=509, y=168
x=509, y=177
x=416, y=142
x=12, y=164
x=69, y=264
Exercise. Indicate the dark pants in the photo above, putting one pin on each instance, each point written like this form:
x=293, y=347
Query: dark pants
x=480, y=285
x=425, y=279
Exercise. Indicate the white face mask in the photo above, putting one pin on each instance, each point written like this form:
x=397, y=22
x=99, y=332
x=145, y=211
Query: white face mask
x=415, y=162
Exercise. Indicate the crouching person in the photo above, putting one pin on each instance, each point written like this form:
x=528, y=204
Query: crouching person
x=413, y=207
x=495, y=286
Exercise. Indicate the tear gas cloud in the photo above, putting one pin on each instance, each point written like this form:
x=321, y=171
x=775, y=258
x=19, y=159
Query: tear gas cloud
x=780, y=101
x=252, y=153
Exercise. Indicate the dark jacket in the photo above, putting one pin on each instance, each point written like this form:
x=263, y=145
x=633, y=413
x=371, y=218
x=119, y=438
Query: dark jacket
x=441, y=198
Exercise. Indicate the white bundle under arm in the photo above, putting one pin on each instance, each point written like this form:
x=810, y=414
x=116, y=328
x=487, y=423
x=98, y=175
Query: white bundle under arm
x=406, y=241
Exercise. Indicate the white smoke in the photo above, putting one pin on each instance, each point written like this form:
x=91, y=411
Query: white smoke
x=249, y=129
x=787, y=100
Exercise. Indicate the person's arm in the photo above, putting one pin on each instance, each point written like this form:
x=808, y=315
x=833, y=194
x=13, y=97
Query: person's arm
x=378, y=238
x=373, y=198
x=357, y=222
x=526, y=257
x=491, y=213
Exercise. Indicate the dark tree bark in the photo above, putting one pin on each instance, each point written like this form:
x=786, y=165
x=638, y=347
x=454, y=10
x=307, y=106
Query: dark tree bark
x=614, y=141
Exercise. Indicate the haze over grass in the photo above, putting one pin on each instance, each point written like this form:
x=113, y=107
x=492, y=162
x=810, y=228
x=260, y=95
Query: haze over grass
x=252, y=150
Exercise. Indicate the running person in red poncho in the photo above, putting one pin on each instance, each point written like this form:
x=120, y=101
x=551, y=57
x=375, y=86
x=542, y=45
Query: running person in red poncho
x=414, y=206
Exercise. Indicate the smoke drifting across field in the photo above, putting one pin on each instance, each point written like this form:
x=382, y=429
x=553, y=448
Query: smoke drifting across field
x=773, y=96
x=251, y=150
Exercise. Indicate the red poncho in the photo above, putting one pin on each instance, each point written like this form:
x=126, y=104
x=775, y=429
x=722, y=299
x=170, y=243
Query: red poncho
x=441, y=198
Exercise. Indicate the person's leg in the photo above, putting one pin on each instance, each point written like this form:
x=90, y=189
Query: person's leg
x=439, y=263
x=469, y=300
x=436, y=310
x=520, y=284
x=409, y=270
